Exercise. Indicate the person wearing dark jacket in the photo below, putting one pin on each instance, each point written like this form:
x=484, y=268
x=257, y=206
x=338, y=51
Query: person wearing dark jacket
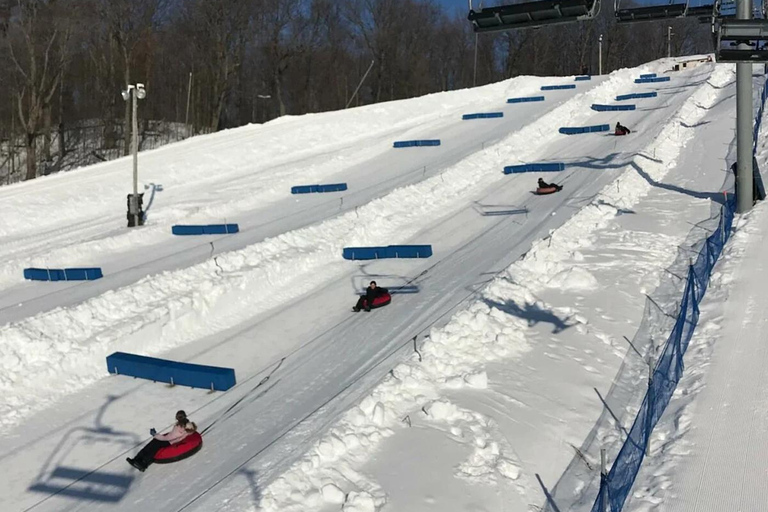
x=544, y=184
x=371, y=293
x=621, y=130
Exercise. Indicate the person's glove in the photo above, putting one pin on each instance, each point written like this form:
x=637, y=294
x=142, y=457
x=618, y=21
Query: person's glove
x=152, y=431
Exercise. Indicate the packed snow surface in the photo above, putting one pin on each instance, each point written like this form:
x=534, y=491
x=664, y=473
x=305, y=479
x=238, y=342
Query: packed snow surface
x=469, y=392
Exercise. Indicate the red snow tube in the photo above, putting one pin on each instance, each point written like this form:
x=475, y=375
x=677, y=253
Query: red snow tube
x=546, y=190
x=381, y=300
x=618, y=133
x=188, y=446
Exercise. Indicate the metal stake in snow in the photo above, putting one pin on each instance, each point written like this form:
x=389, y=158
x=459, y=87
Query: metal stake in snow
x=744, y=143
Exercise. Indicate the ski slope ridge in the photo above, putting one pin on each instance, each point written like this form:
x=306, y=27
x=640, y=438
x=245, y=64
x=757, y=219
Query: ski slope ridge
x=172, y=308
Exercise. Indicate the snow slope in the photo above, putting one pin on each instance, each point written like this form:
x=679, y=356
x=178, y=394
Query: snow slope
x=242, y=175
x=275, y=311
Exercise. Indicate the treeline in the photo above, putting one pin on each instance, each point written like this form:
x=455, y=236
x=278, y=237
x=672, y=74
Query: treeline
x=222, y=63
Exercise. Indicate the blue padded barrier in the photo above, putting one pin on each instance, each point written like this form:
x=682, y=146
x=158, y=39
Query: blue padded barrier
x=582, y=78
x=309, y=189
x=409, y=251
x=636, y=95
x=171, y=372
x=651, y=80
x=584, y=129
x=209, y=229
x=416, y=143
x=390, y=251
x=489, y=115
x=609, y=108
x=525, y=100
x=557, y=87
x=63, y=274
x=648, y=75
x=551, y=167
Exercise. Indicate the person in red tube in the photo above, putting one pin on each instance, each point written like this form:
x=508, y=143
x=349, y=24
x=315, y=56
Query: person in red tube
x=371, y=293
x=180, y=430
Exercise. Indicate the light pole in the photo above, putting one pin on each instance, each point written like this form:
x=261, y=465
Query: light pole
x=135, y=93
x=600, y=55
x=669, y=41
x=474, y=73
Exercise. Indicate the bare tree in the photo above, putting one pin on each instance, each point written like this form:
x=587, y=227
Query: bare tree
x=37, y=41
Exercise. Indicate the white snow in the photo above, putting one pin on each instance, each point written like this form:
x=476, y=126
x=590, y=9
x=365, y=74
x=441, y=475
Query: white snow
x=499, y=361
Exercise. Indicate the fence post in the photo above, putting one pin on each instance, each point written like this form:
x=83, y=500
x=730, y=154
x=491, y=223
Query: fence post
x=603, y=481
x=722, y=224
x=651, y=399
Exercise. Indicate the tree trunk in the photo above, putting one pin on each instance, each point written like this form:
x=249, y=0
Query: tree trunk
x=47, y=135
x=31, y=156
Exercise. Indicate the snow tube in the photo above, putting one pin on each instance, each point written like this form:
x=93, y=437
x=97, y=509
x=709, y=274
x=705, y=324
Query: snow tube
x=619, y=133
x=381, y=300
x=541, y=191
x=188, y=446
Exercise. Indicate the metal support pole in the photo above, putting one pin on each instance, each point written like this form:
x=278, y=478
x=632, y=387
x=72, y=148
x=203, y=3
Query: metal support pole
x=360, y=84
x=135, y=200
x=600, y=55
x=744, y=142
x=669, y=41
x=474, y=74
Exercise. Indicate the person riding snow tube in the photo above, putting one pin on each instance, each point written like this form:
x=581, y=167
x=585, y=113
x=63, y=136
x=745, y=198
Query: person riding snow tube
x=621, y=130
x=172, y=442
x=547, y=188
x=375, y=297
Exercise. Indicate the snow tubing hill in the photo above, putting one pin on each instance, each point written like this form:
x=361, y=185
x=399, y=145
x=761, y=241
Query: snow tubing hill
x=188, y=446
x=380, y=301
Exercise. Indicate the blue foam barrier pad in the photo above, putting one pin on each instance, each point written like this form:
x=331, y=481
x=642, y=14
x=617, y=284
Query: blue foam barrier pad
x=584, y=129
x=651, y=80
x=208, y=229
x=636, y=96
x=171, y=372
x=648, y=75
x=489, y=115
x=63, y=274
x=539, y=167
x=609, y=108
x=525, y=100
x=416, y=143
x=310, y=189
x=557, y=87
x=390, y=251
x=582, y=78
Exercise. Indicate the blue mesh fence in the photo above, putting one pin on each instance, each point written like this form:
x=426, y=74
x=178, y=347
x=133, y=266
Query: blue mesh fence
x=617, y=484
